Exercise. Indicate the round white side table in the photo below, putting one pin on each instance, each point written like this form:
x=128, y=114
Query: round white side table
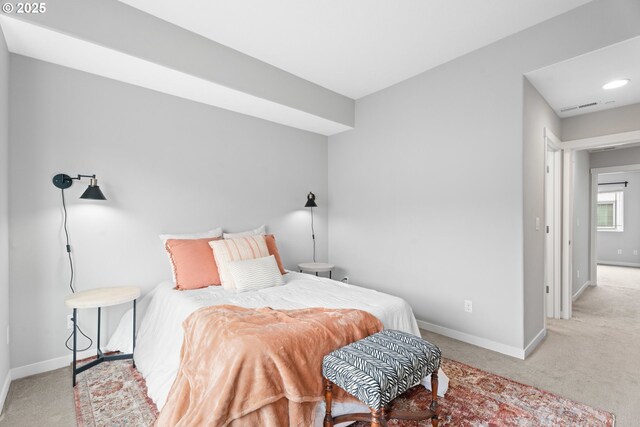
x=98, y=298
x=316, y=267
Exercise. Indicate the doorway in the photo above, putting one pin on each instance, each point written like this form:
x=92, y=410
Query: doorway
x=573, y=284
x=615, y=227
x=559, y=275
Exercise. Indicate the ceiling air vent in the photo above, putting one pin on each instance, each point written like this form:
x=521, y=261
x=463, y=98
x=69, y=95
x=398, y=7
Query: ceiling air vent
x=565, y=109
x=579, y=107
x=590, y=104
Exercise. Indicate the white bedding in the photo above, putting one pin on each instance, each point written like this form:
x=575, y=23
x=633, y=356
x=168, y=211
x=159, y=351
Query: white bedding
x=159, y=340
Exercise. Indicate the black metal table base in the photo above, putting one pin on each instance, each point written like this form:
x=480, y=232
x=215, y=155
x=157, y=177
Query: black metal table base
x=100, y=356
x=318, y=274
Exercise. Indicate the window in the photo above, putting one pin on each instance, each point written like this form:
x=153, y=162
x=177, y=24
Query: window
x=610, y=211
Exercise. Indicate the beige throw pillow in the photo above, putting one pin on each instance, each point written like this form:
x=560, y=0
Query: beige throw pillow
x=224, y=251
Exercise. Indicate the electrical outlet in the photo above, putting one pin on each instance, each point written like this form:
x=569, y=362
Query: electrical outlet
x=468, y=306
x=69, y=321
x=619, y=251
x=635, y=252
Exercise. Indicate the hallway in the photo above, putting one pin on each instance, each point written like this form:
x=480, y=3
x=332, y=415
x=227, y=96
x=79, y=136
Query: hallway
x=592, y=358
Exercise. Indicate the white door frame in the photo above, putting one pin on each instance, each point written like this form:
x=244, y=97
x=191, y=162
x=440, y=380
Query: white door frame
x=613, y=140
x=567, y=232
x=553, y=225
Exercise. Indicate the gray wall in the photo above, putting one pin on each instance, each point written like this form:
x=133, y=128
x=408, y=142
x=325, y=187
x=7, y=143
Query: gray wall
x=4, y=212
x=618, y=157
x=581, y=220
x=616, y=120
x=537, y=115
x=628, y=240
x=164, y=163
x=397, y=225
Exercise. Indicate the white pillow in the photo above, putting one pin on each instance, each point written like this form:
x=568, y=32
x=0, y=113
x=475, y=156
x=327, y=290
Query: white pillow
x=254, y=274
x=227, y=250
x=216, y=232
x=260, y=231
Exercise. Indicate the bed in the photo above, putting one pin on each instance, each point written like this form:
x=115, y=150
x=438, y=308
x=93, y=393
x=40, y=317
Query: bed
x=160, y=336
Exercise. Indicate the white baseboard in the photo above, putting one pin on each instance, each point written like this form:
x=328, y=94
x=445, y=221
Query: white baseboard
x=620, y=264
x=535, y=342
x=583, y=288
x=475, y=340
x=48, y=365
x=3, y=392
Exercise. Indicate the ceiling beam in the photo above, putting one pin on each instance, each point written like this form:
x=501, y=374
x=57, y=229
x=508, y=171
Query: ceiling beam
x=109, y=27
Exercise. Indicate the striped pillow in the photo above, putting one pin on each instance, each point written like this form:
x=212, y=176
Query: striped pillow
x=224, y=251
x=254, y=274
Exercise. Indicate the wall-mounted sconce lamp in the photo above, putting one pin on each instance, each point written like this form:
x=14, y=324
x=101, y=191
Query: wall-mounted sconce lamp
x=93, y=191
x=311, y=203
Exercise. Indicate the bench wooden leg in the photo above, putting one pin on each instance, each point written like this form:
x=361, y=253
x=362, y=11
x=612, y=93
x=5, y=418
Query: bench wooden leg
x=328, y=418
x=375, y=417
x=434, y=398
x=379, y=417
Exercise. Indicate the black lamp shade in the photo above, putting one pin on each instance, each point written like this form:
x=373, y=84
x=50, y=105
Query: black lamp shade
x=93, y=192
x=311, y=201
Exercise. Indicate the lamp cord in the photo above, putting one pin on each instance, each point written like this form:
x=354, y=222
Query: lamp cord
x=71, y=279
x=313, y=236
x=68, y=245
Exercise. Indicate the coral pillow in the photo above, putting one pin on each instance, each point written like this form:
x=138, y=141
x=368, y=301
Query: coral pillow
x=270, y=240
x=216, y=232
x=227, y=250
x=193, y=263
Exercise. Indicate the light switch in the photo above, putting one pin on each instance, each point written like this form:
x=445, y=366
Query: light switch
x=537, y=224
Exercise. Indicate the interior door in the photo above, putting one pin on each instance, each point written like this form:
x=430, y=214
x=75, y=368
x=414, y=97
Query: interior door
x=549, y=231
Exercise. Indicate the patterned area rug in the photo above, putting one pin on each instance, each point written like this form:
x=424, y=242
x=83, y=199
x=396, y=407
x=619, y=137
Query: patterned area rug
x=480, y=399
x=114, y=394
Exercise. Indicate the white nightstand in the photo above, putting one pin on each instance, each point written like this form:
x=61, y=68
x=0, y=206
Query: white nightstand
x=316, y=267
x=98, y=298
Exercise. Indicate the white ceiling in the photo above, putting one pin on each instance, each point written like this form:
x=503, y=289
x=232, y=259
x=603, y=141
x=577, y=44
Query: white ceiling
x=578, y=81
x=355, y=47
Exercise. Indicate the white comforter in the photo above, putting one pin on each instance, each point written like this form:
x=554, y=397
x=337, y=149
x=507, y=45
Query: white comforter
x=159, y=340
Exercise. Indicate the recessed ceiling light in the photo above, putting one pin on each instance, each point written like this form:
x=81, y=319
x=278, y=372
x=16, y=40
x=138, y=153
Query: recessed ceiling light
x=614, y=84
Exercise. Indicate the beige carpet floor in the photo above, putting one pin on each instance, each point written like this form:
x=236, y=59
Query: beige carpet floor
x=41, y=400
x=592, y=358
x=620, y=277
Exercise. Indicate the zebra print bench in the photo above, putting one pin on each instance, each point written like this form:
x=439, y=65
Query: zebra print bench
x=376, y=370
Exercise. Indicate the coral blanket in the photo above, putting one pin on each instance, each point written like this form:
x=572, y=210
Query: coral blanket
x=250, y=367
